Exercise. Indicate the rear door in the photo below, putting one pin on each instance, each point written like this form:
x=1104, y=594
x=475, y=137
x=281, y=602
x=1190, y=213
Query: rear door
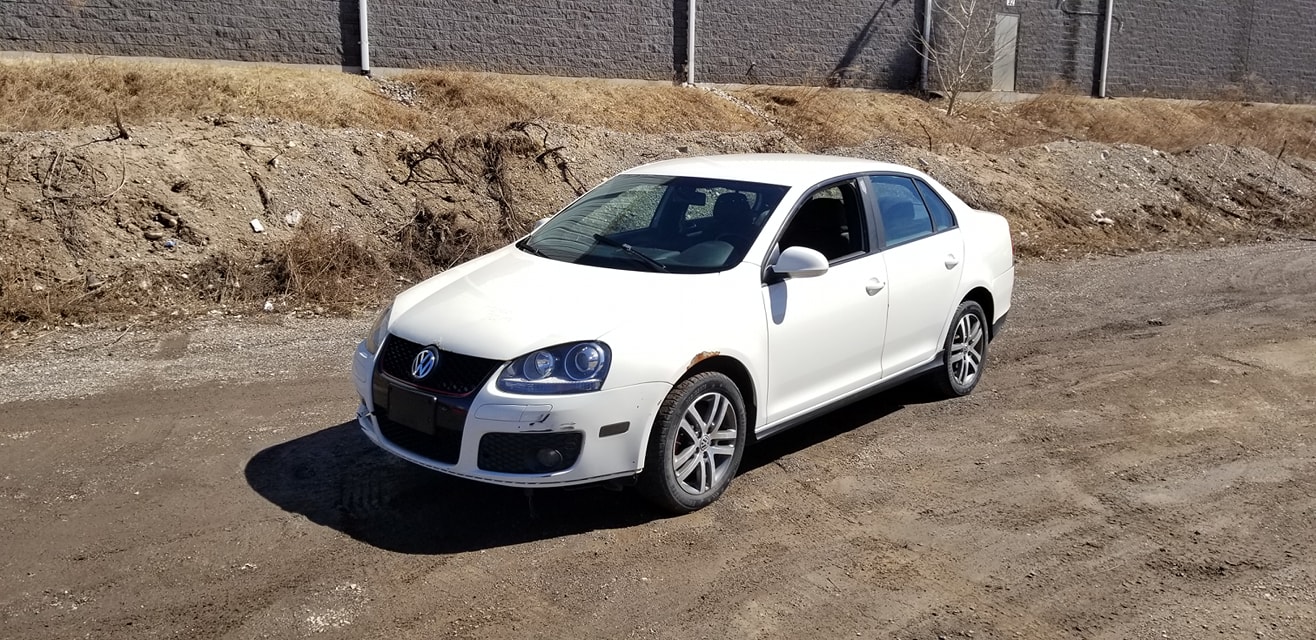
x=924, y=254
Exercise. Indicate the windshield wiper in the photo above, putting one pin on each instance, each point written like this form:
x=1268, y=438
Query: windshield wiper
x=524, y=245
x=653, y=264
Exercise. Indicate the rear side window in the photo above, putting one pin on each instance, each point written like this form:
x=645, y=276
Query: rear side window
x=905, y=217
x=942, y=218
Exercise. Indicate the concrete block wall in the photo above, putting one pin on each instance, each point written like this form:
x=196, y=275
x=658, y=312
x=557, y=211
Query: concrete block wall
x=1264, y=49
x=857, y=43
x=553, y=37
x=1152, y=41
x=293, y=31
x=1258, y=48
x=1283, y=49
x=1058, y=45
x=1261, y=48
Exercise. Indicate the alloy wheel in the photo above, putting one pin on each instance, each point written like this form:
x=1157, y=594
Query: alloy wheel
x=706, y=444
x=966, y=349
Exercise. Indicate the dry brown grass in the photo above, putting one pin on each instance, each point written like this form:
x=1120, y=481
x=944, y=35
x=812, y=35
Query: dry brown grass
x=314, y=266
x=60, y=94
x=27, y=297
x=822, y=117
x=325, y=267
x=483, y=101
x=1176, y=125
x=37, y=95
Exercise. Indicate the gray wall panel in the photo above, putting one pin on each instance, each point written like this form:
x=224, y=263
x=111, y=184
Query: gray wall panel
x=1260, y=48
x=294, y=31
x=556, y=37
x=840, y=42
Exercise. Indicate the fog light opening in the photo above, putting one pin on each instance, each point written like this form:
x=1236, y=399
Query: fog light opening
x=550, y=458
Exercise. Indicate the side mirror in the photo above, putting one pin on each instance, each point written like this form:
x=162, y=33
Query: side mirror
x=539, y=223
x=799, y=262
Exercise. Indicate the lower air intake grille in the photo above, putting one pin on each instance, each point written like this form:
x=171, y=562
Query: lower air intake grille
x=445, y=446
x=529, y=452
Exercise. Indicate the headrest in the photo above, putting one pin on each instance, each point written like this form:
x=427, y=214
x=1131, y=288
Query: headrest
x=731, y=203
x=828, y=213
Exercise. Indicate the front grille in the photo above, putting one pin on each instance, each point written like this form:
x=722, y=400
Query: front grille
x=456, y=374
x=444, y=446
x=519, y=452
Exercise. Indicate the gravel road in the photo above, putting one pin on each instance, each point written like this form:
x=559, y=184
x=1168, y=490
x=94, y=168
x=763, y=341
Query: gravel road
x=1139, y=462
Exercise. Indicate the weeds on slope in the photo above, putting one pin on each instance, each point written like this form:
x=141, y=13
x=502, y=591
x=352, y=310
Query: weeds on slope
x=1176, y=125
x=58, y=94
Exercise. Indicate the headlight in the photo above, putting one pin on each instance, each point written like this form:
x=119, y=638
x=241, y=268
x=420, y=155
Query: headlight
x=567, y=368
x=378, y=330
x=538, y=365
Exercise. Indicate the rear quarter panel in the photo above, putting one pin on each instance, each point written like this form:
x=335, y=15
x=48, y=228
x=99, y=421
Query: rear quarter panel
x=989, y=257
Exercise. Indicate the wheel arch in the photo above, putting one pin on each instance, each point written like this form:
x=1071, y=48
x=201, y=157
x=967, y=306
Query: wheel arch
x=655, y=478
x=739, y=374
x=728, y=366
x=983, y=297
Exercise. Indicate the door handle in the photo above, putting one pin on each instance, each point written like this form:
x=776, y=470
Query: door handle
x=952, y=261
x=874, y=286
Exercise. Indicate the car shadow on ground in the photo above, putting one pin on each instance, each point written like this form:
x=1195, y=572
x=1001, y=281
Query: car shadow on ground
x=339, y=479
x=834, y=423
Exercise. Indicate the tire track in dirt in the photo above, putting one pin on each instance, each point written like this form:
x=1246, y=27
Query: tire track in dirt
x=1111, y=478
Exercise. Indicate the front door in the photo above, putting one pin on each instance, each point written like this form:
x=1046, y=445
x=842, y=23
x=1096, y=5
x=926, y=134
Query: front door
x=825, y=333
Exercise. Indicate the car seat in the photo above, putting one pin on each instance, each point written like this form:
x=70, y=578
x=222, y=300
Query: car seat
x=820, y=225
x=732, y=215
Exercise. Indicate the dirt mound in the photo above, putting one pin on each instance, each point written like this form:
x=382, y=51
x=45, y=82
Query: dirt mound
x=1071, y=196
x=236, y=214
x=224, y=215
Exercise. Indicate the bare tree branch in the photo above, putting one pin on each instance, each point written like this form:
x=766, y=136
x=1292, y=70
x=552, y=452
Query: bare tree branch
x=961, y=49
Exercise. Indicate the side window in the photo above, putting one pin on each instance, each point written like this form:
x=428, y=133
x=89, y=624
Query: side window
x=942, y=218
x=904, y=216
x=830, y=221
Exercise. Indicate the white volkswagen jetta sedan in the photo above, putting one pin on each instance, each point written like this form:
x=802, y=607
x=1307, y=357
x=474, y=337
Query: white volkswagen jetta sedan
x=679, y=311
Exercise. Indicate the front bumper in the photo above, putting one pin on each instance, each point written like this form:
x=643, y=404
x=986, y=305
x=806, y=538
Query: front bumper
x=611, y=428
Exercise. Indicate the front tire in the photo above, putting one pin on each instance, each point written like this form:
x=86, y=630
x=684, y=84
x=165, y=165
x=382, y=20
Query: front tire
x=696, y=444
x=964, y=355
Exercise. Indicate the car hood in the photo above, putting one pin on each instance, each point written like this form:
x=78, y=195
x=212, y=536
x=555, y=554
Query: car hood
x=509, y=303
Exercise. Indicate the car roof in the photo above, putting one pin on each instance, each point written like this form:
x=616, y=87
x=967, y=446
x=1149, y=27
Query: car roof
x=789, y=169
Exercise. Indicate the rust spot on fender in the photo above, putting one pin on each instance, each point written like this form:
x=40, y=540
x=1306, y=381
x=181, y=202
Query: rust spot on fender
x=702, y=357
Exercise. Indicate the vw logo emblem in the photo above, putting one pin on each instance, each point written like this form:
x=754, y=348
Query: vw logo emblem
x=424, y=362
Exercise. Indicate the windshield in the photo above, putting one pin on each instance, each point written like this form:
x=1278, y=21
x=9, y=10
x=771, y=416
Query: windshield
x=659, y=223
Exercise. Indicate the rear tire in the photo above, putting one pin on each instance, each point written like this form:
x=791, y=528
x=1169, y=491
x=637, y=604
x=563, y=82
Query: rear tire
x=964, y=354
x=696, y=445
